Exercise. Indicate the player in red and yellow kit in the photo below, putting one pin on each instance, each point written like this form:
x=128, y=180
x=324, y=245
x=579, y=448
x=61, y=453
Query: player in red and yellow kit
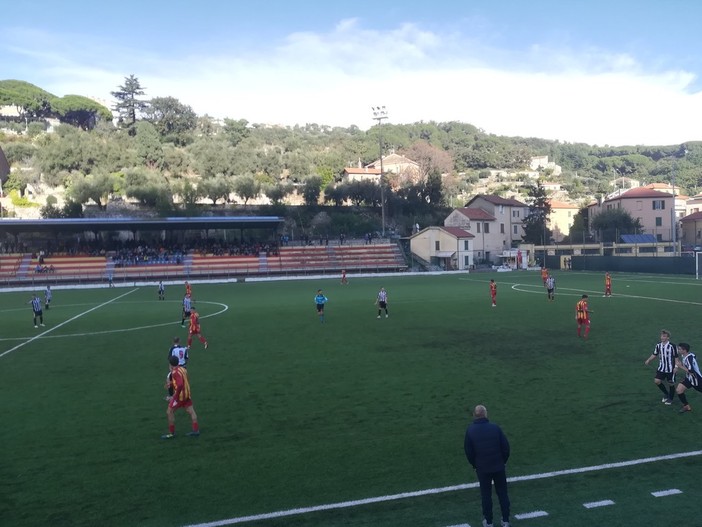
x=493, y=292
x=195, y=329
x=188, y=289
x=544, y=275
x=608, y=285
x=180, y=384
x=582, y=316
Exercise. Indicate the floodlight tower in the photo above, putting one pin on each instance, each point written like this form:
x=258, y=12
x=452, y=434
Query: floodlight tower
x=380, y=113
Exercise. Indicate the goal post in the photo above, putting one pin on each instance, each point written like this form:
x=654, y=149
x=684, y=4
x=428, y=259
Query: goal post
x=698, y=267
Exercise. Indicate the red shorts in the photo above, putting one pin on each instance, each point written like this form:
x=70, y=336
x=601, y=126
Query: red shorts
x=584, y=322
x=194, y=330
x=180, y=404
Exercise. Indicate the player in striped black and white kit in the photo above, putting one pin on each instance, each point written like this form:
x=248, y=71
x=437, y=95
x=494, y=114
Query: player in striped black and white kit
x=47, y=297
x=667, y=354
x=36, y=308
x=187, y=307
x=693, y=375
x=550, y=288
x=382, y=302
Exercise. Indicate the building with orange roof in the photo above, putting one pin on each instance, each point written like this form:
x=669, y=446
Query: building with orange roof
x=651, y=207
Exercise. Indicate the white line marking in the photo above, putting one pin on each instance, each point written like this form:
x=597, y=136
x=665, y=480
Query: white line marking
x=460, y=525
x=559, y=292
x=440, y=490
x=669, y=492
x=64, y=323
x=529, y=515
x=121, y=330
x=595, y=504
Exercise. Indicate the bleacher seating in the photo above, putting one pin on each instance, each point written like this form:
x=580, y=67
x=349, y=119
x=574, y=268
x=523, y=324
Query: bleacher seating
x=71, y=267
x=9, y=265
x=204, y=265
x=290, y=260
x=353, y=258
x=156, y=271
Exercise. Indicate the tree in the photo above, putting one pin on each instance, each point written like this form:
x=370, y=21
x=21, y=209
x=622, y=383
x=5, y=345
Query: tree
x=578, y=232
x=336, y=194
x=211, y=158
x=612, y=223
x=96, y=187
x=433, y=188
x=19, y=153
x=30, y=100
x=276, y=193
x=173, y=120
x=80, y=111
x=188, y=193
x=129, y=106
x=236, y=131
x=430, y=159
x=149, y=148
x=216, y=187
x=246, y=187
x=311, y=190
x=149, y=187
x=535, y=230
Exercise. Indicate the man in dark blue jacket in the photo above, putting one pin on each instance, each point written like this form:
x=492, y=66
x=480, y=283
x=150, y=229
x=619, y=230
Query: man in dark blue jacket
x=487, y=450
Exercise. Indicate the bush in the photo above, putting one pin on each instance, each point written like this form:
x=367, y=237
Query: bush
x=21, y=201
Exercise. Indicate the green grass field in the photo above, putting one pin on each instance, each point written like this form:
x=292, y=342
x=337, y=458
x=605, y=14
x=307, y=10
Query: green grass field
x=297, y=414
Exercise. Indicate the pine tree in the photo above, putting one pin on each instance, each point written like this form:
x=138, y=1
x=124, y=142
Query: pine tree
x=128, y=104
x=535, y=230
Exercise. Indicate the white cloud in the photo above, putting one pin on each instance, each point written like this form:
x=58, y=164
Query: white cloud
x=334, y=78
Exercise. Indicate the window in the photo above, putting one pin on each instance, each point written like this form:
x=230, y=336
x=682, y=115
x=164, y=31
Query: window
x=515, y=213
x=502, y=209
x=659, y=237
x=478, y=226
x=659, y=221
x=658, y=204
x=436, y=246
x=570, y=213
x=466, y=261
x=466, y=245
x=639, y=205
x=514, y=228
x=486, y=228
x=502, y=228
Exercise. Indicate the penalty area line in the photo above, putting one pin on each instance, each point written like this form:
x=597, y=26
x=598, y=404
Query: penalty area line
x=440, y=490
x=35, y=337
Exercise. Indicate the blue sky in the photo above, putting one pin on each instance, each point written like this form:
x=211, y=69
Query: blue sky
x=616, y=72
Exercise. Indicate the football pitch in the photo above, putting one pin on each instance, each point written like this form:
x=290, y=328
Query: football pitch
x=357, y=421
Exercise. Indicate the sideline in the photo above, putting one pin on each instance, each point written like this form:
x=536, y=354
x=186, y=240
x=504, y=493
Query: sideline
x=35, y=337
x=440, y=490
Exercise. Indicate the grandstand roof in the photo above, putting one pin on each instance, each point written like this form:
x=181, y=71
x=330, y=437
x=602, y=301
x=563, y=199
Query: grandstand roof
x=14, y=226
